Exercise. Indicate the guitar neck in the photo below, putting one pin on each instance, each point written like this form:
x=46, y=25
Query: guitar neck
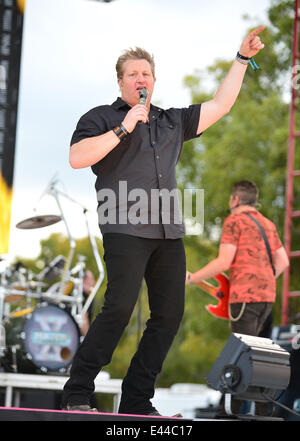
x=207, y=287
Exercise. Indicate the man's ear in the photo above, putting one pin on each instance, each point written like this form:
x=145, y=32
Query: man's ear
x=120, y=82
x=236, y=200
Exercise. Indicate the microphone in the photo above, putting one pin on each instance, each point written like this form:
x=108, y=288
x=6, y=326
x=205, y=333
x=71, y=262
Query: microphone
x=143, y=96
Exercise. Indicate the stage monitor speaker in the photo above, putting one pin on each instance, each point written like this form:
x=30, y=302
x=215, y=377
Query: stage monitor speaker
x=250, y=368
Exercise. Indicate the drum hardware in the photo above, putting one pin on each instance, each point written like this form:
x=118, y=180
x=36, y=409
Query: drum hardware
x=2, y=340
x=53, y=270
x=53, y=191
x=69, y=285
x=2, y=329
x=45, y=220
x=100, y=267
x=54, y=296
x=37, y=285
x=44, y=338
x=14, y=364
x=21, y=312
x=56, y=193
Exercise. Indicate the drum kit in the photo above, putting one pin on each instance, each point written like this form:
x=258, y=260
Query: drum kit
x=40, y=317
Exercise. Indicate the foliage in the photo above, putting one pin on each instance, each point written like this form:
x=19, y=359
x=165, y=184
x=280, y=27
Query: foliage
x=251, y=141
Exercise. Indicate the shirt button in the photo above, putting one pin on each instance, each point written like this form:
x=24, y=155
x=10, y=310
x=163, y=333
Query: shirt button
x=157, y=156
x=160, y=175
x=153, y=142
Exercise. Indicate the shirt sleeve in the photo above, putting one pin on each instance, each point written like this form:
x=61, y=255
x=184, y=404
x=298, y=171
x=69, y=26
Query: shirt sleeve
x=230, y=231
x=190, y=121
x=89, y=125
x=275, y=241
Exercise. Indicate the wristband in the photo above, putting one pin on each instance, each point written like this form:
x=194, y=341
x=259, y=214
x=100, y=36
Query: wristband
x=245, y=60
x=121, y=132
x=240, y=60
x=242, y=56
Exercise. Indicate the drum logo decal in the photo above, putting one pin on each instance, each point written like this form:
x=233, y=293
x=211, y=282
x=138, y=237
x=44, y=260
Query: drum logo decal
x=50, y=337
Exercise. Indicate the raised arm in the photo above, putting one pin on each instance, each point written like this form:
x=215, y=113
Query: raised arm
x=227, y=93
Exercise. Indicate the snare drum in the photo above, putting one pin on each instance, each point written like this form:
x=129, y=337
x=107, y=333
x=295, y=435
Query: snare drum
x=43, y=341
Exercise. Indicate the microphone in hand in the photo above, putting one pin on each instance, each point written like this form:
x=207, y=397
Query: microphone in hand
x=143, y=96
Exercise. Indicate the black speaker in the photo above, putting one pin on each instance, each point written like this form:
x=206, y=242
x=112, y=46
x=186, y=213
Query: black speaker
x=250, y=368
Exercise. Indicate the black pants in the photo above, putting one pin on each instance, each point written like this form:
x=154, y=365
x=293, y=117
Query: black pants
x=128, y=260
x=253, y=318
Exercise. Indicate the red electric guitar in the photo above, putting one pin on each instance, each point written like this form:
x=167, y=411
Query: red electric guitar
x=220, y=292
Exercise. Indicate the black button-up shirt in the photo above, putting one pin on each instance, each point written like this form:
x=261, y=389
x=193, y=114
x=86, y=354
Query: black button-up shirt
x=136, y=181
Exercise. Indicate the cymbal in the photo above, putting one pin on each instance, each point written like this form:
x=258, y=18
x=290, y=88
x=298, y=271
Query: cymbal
x=38, y=222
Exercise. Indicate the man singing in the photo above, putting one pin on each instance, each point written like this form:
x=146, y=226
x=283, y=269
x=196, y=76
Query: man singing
x=139, y=145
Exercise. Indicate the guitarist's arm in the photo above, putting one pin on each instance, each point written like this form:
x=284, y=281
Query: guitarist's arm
x=281, y=261
x=220, y=264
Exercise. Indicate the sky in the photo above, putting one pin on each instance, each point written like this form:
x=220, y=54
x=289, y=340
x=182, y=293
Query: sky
x=70, y=48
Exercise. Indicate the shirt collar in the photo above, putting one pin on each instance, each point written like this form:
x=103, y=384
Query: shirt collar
x=119, y=104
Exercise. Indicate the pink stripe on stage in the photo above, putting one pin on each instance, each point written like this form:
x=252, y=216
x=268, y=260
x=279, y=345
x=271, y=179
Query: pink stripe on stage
x=86, y=413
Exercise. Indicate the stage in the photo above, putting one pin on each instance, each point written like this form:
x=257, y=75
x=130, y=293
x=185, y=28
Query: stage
x=21, y=414
x=14, y=383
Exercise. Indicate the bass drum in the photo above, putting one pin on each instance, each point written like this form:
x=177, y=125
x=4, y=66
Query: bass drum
x=44, y=341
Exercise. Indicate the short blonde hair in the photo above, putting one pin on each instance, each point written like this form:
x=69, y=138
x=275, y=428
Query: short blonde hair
x=134, y=54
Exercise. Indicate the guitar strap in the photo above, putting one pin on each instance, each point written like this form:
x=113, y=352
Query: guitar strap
x=265, y=239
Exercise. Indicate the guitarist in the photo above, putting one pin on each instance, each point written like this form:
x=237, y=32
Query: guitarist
x=252, y=269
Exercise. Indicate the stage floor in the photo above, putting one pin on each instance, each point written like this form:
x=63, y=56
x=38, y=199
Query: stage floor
x=22, y=414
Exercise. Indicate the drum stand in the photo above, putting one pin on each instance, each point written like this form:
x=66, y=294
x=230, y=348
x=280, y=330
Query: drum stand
x=53, y=191
x=69, y=291
x=2, y=313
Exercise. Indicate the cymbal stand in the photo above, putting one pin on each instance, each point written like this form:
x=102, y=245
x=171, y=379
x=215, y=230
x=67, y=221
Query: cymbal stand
x=99, y=265
x=78, y=288
x=55, y=193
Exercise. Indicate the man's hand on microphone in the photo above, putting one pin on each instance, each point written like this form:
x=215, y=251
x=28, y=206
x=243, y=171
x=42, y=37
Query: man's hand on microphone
x=135, y=114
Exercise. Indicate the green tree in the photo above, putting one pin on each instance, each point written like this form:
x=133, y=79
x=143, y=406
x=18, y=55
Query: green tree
x=249, y=143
